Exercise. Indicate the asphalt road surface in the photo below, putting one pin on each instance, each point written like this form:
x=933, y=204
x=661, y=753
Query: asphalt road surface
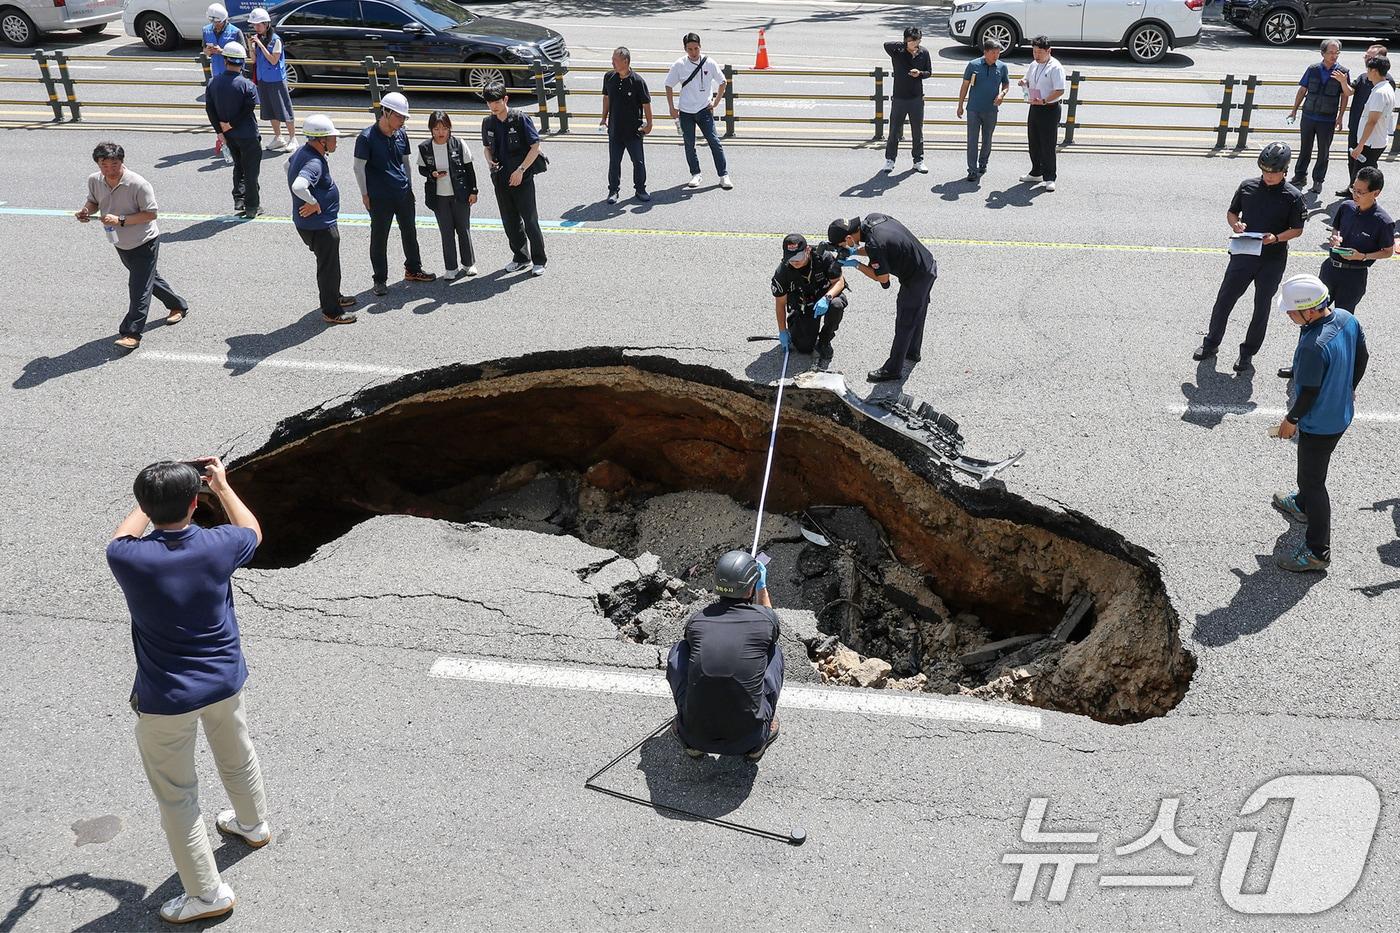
x=1062, y=322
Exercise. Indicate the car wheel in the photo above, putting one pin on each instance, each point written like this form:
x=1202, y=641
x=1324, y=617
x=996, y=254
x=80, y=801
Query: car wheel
x=1280, y=27
x=94, y=29
x=1148, y=43
x=1002, y=31
x=478, y=79
x=157, y=32
x=296, y=74
x=17, y=29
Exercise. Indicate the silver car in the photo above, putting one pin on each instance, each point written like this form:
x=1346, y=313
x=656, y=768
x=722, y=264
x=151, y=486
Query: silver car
x=23, y=21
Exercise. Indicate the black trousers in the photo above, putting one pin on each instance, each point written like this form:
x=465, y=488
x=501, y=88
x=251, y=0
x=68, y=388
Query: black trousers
x=1320, y=133
x=141, y=282
x=1314, y=458
x=247, y=164
x=383, y=212
x=454, y=220
x=325, y=246
x=1264, y=273
x=910, y=310
x=1346, y=281
x=1042, y=132
x=520, y=217
x=632, y=145
x=807, y=330
x=1370, y=155
x=911, y=109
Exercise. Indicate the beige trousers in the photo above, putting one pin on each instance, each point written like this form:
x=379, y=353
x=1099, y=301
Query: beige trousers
x=167, y=752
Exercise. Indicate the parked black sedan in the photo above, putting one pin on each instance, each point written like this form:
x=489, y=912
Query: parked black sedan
x=1278, y=22
x=437, y=31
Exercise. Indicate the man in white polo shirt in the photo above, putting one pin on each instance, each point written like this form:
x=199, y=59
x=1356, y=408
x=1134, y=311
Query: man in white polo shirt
x=701, y=83
x=1045, y=85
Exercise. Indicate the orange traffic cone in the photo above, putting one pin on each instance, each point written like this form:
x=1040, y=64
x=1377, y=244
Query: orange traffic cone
x=762, y=60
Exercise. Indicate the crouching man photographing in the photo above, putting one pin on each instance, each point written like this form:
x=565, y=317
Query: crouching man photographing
x=190, y=668
x=727, y=671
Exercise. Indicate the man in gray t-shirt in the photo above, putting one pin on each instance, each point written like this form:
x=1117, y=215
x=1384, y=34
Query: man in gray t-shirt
x=125, y=203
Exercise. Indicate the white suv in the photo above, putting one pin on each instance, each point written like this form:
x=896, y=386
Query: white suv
x=165, y=24
x=1148, y=29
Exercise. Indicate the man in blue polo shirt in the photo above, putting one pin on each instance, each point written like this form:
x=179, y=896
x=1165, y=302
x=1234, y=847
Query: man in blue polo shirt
x=1362, y=234
x=989, y=81
x=315, y=211
x=383, y=167
x=1328, y=365
x=190, y=667
x=1323, y=92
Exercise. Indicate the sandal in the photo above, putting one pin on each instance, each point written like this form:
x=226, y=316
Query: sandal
x=176, y=315
x=128, y=343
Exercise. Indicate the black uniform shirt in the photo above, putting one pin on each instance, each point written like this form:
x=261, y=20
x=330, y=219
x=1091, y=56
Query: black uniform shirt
x=803, y=287
x=625, y=99
x=730, y=642
x=893, y=250
x=905, y=87
x=1269, y=209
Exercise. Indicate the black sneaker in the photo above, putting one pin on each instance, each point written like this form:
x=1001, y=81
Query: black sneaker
x=1316, y=187
x=1244, y=364
x=824, y=350
x=380, y=289
x=642, y=195
x=344, y=317
x=692, y=752
x=881, y=375
x=972, y=176
x=773, y=734
x=1285, y=372
x=1203, y=352
x=1298, y=182
x=1343, y=193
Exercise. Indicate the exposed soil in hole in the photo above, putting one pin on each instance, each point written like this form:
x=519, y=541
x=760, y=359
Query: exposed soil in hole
x=926, y=577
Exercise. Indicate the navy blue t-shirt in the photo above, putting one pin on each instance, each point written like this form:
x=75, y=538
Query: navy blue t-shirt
x=385, y=175
x=1364, y=231
x=307, y=163
x=1326, y=358
x=176, y=583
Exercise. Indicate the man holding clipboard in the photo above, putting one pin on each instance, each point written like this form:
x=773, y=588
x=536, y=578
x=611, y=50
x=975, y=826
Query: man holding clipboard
x=1265, y=213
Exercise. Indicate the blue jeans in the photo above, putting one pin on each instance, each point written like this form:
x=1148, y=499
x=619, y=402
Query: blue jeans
x=980, y=124
x=705, y=119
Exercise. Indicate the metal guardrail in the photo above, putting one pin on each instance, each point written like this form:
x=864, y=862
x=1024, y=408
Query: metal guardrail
x=549, y=82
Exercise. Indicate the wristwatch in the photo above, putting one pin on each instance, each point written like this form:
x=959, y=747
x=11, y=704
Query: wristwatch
x=121, y=221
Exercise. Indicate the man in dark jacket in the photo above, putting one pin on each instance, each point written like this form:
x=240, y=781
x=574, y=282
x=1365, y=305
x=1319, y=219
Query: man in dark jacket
x=231, y=101
x=727, y=672
x=1323, y=92
x=910, y=65
x=511, y=145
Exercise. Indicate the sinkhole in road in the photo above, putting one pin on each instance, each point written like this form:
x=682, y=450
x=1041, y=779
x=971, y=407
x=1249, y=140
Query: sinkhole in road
x=924, y=582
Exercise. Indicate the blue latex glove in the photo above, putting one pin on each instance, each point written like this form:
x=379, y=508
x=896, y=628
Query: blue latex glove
x=762, y=583
x=851, y=250
x=850, y=263
x=820, y=307
x=785, y=338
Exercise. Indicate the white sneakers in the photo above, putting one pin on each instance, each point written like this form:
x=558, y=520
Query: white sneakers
x=1031, y=178
x=517, y=266
x=920, y=167
x=538, y=269
x=725, y=183
x=1049, y=186
x=256, y=836
x=694, y=181
x=453, y=273
x=889, y=166
x=187, y=909
x=612, y=198
x=471, y=271
x=274, y=144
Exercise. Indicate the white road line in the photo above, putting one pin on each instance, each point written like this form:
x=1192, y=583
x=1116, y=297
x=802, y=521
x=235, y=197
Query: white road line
x=867, y=702
x=187, y=70
x=1273, y=413
x=324, y=366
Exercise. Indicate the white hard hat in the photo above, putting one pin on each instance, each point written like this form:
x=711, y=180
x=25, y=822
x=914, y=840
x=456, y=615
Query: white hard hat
x=396, y=102
x=1303, y=293
x=216, y=13
x=318, y=125
x=259, y=15
x=235, y=51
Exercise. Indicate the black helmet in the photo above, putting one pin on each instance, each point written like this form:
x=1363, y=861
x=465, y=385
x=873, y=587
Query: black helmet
x=1275, y=157
x=735, y=574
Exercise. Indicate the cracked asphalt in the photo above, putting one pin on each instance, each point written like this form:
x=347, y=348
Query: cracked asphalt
x=404, y=801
